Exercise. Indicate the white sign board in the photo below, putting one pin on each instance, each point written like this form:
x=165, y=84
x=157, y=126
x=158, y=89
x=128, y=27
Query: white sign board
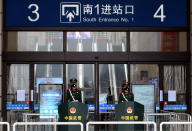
x=20, y=95
x=172, y=95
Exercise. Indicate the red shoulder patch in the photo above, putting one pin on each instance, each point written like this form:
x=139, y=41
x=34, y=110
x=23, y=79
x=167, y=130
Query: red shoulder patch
x=78, y=89
x=121, y=92
x=131, y=93
x=69, y=89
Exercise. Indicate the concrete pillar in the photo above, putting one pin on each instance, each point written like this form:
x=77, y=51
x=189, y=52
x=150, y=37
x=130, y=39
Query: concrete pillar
x=1, y=15
x=191, y=38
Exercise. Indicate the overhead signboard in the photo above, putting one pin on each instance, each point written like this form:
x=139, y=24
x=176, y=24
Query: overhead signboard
x=96, y=13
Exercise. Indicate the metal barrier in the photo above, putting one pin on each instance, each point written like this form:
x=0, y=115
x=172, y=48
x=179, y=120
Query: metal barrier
x=158, y=118
x=178, y=116
x=120, y=122
x=172, y=115
x=6, y=123
x=168, y=117
x=46, y=123
x=175, y=123
x=146, y=115
x=25, y=116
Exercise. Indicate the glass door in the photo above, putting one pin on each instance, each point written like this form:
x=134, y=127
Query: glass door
x=84, y=74
x=111, y=78
x=47, y=94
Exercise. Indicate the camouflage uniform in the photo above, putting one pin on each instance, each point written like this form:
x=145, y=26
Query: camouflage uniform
x=126, y=97
x=74, y=93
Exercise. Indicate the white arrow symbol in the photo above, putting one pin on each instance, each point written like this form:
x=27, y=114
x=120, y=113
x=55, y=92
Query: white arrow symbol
x=70, y=16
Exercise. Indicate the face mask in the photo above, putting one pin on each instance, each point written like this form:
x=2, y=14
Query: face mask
x=73, y=86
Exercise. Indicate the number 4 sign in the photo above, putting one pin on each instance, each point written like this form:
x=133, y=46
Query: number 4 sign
x=160, y=13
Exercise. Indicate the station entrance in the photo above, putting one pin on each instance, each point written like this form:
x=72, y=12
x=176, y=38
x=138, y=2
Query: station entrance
x=37, y=78
x=129, y=55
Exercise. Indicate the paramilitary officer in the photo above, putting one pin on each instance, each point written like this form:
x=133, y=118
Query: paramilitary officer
x=124, y=85
x=74, y=93
x=126, y=94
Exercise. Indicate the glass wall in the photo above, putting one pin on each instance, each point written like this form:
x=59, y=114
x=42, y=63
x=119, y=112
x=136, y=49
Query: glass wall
x=144, y=78
x=111, y=77
x=145, y=85
x=18, y=81
x=158, y=41
x=35, y=41
x=48, y=70
x=175, y=84
x=17, y=91
x=84, y=73
x=96, y=41
x=144, y=73
x=46, y=74
x=48, y=93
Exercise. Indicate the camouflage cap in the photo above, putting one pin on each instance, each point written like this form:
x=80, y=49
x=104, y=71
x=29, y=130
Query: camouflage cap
x=125, y=83
x=73, y=80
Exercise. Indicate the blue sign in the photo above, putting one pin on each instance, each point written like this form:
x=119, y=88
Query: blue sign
x=98, y=13
x=20, y=107
x=157, y=107
x=172, y=107
x=175, y=107
x=102, y=107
